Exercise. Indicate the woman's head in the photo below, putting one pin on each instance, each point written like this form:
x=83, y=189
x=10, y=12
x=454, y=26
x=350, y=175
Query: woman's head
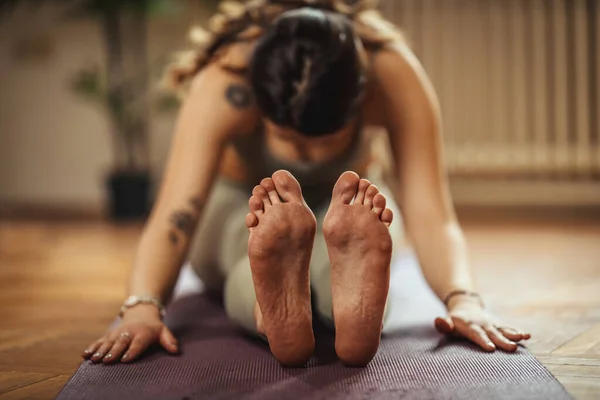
x=307, y=71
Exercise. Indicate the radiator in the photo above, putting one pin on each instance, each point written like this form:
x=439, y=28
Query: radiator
x=518, y=82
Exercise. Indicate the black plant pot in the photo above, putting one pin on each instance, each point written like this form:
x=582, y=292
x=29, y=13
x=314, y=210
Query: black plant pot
x=129, y=195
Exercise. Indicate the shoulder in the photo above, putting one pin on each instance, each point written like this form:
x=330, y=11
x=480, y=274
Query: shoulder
x=225, y=97
x=396, y=62
x=235, y=56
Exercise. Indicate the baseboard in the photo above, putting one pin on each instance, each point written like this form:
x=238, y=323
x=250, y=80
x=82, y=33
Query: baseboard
x=471, y=197
x=524, y=193
x=50, y=211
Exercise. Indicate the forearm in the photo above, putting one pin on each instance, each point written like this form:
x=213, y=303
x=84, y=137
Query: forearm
x=161, y=252
x=442, y=252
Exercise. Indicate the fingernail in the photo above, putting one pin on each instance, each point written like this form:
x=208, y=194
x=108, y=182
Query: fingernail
x=491, y=344
x=86, y=351
x=97, y=355
x=108, y=356
x=125, y=357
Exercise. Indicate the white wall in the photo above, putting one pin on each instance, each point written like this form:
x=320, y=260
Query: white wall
x=55, y=149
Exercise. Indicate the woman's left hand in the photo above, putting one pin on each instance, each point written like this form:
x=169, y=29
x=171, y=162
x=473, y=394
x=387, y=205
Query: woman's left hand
x=470, y=320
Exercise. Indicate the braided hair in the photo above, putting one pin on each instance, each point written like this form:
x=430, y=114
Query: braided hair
x=246, y=21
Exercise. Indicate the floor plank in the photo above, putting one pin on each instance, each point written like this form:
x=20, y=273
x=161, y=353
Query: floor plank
x=586, y=344
x=44, y=390
x=61, y=284
x=581, y=388
x=11, y=380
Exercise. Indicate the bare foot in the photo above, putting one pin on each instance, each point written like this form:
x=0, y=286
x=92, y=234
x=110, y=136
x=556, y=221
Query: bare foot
x=360, y=249
x=282, y=233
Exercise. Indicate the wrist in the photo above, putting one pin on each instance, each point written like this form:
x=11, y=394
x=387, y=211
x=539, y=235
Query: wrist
x=462, y=298
x=134, y=301
x=464, y=302
x=141, y=311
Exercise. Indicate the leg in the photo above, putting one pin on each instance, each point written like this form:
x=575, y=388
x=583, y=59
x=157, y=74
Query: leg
x=360, y=249
x=239, y=296
x=282, y=231
x=221, y=239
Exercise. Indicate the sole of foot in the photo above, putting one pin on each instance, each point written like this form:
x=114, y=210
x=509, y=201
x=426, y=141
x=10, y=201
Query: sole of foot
x=360, y=249
x=282, y=231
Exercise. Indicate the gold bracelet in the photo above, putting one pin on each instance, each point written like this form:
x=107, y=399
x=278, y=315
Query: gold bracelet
x=453, y=293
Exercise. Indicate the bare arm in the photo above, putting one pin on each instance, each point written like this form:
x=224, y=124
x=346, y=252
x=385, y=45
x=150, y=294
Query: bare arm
x=414, y=124
x=218, y=106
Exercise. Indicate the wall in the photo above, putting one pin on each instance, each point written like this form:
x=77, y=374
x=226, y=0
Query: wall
x=55, y=149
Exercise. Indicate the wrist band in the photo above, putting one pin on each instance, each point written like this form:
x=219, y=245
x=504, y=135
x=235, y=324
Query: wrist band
x=454, y=293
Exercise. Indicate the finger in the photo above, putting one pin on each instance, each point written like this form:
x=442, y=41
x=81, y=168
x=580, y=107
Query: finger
x=499, y=340
x=91, y=349
x=120, y=346
x=168, y=341
x=138, y=345
x=511, y=334
x=444, y=325
x=475, y=334
x=103, y=350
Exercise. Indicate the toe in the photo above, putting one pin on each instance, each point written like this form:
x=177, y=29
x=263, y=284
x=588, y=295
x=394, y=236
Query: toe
x=256, y=206
x=379, y=203
x=387, y=216
x=363, y=185
x=370, y=195
x=287, y=186
x=251, y=221
x=261, y=192
x=269, y=186
x=345, y=188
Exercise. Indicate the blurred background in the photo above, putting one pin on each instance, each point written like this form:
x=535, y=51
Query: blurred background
x=85, y=132
x=518, y=82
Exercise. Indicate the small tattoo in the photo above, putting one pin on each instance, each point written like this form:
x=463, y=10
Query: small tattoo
x=239, y=96
x=173, y=238
x=183, y=221
x=196, y=203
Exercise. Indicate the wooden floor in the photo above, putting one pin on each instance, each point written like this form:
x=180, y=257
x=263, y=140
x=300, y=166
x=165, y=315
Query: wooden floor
x=62, y=282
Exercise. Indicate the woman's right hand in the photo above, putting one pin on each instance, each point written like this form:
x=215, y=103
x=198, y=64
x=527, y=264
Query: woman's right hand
x=140, y=327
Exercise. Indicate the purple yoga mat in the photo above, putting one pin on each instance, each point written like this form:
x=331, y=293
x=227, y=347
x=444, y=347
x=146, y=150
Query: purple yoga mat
x=414, y=362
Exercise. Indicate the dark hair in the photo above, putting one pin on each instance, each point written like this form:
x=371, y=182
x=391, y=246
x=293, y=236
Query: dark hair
x=307, y=73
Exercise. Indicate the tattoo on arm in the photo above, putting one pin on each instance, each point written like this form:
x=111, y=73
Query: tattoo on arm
x=184, y=221
x=173, y=238
x=196, y=203
x=239, y=96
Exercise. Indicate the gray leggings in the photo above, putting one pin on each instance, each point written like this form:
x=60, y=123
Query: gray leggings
x=219, y=252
